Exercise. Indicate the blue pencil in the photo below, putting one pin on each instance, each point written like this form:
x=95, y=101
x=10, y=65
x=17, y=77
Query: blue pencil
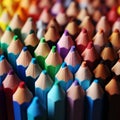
x=64, y=77
x=94, y=101
x=22, y=62
x=21, y=101
x=84, y=75
x=32, y=72
x=56, y=103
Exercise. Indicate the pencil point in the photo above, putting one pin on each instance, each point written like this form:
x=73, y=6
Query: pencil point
x=84, y=30
x=9, y=28
x=15, y=37
x=44, y=72
x=42, y=40
x=34, y=61
x=66, y=33
x=53, y=49
x=72, y=48
x=90, y=44
x=11, y=72
x=64, y=65
x=22, y=85
x=2, y=57
x=25, y=49
x=76, y=83
x=96, y=81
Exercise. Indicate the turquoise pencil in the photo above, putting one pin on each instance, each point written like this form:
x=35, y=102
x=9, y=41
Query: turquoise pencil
x=56, y=103
x=34, y=111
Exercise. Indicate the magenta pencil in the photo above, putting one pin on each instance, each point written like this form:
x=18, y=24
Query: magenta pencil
x=10, y=85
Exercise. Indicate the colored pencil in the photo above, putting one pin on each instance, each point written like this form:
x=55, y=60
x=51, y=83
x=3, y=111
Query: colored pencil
x=56, y=103
x=4, y=68
x=72, y=10
x=102, y=72
x=41, y=29
x=73, y=60
x=99, y=41
x=103, y=24
x=109, y=55
x=21, y=101
x=6, y=39
x=51, y=36
x=116, y=24
x=57, y=7
x=53, y=62
x=84, y=75
x=42, y=86
x=75, y=102
x=72, y=28
x=64, y=76
x=113, y=94
x=16, y=24
x=34, y=111
x=90, y=55
x=32, y=72
x=115, y=39
x=64, y=44
x=10, y=85
x=41, y=52
x=29, y=25
x=14, y=50
x=82, y=40
x=94, y=101
x=31, y=41
x=116, y=68
x=4, y=19
x=22, y=62
x=45, y=16
x=88, y=25
x=62, y=20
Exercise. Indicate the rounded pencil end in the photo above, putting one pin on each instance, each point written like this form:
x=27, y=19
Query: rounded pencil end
x=34, y=61
x=64, y=65
x=75, y=83
x=9, y=28
x=2, y=57
x=15, y=37
x=44, y=72
x=90, y=45
x=84, y=64
x=54, y=49
x=66, y=33
x=36, y=100
x=42, y=40
x=72, y=49
x=25, y=49
x=96, y=81
x=84, y=30
x=11, y=72
x=22, y=85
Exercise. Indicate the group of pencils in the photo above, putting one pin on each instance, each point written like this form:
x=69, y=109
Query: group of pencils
x=59, y=60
